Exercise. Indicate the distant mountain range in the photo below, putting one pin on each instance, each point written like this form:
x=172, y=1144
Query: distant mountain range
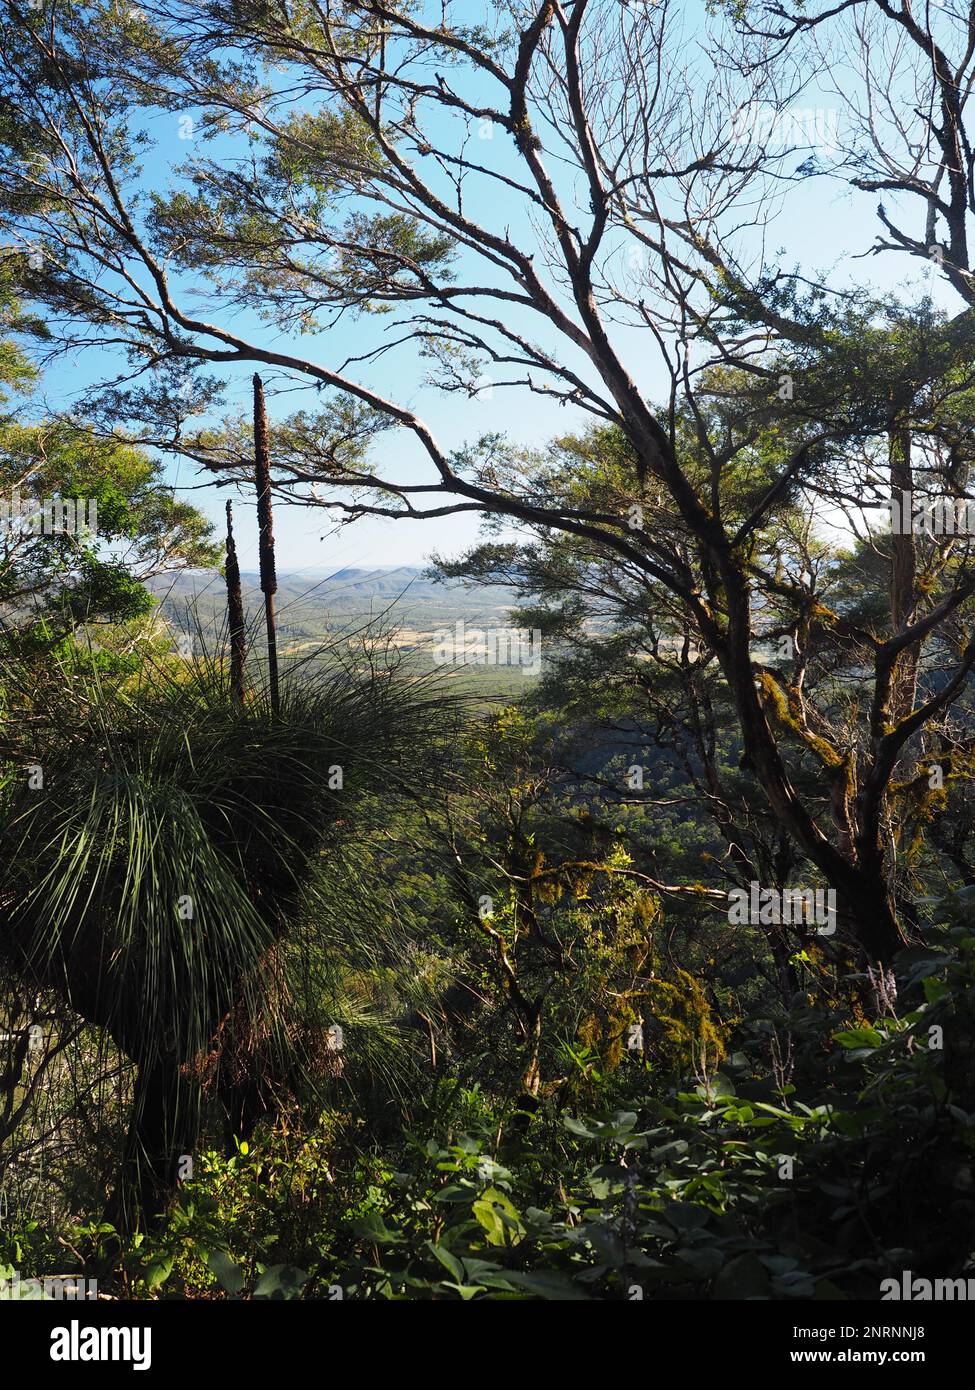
x=311, y=602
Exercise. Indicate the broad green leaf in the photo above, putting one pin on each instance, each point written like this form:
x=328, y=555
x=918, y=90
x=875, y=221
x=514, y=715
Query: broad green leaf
x=228, y=1275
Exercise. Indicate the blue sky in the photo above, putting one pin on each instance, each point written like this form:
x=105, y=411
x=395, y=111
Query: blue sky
x=822, y=225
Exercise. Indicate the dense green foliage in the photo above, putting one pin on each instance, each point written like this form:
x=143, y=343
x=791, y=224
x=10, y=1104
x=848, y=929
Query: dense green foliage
x=790, y=1170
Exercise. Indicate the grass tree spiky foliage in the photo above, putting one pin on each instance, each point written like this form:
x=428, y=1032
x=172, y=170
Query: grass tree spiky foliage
x=150, y=876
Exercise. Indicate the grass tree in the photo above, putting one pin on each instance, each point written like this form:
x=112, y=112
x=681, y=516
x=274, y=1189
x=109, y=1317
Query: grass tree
x=154, y=870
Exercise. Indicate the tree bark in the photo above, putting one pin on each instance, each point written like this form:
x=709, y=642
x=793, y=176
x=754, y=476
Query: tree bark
x=235, y=615
x=903, y=575
x=265, y=519
x=163, y=1128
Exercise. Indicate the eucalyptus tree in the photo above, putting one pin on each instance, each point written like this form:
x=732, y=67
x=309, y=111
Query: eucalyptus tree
x=85, y=522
